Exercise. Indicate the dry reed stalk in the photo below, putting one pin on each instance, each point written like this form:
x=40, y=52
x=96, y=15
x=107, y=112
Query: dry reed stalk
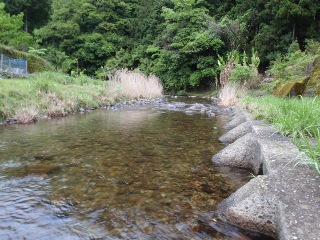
x=55, y=106
x=26, y=114
x=135, y=84
x=228, y=95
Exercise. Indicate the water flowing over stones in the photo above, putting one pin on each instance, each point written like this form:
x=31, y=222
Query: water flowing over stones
x=136, y=170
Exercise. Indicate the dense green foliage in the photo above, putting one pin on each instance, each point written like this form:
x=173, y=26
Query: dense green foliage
x=184, y=53
x=35, y=12
x=179, y=40
x=295, y=66
x=11, y=30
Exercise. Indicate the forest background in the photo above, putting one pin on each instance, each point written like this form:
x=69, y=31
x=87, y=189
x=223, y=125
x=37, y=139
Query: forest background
x=180, y=41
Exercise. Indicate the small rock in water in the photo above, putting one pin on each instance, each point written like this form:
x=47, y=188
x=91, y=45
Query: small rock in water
x=171, y=106
x=180, y=104
x=207, y=188
x=11, y=120
x=210, y=114
x=189, y=112
x=166, y=201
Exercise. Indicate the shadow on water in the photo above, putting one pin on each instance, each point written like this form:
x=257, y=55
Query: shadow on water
x=133, y=173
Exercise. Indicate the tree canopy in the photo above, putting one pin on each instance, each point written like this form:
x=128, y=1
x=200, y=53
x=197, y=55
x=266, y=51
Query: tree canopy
x=36, y=12
x=11, y=32
x=179, y=40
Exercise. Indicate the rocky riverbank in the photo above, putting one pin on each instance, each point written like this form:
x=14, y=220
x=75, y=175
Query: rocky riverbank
x=283, y=199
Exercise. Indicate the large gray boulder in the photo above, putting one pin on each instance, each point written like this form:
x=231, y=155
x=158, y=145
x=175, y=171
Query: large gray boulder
x=236, y=133
x=251, y=208
x=236, y=121
x=244, y=153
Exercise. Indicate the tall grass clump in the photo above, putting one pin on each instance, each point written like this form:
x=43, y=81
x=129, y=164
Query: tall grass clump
x=135, y=84
x=229, y=94
x=26, y=114
x=311, y=147
x=297, y=118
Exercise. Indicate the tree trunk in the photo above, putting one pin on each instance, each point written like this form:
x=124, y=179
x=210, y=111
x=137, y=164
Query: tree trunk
x=294, y=31
x=26, y=21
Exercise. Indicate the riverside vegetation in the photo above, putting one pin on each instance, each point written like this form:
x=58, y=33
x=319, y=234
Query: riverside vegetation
x=295, y=116
x=179, y=41
x=49, y=94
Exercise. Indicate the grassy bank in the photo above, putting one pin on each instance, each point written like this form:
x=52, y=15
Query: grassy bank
x=297, y=118
x=50, y=94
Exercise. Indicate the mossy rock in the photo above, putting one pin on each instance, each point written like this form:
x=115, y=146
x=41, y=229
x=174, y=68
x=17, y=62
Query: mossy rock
x=313, y=85
x=292, y=88
x=35, y=63
x=309, y=86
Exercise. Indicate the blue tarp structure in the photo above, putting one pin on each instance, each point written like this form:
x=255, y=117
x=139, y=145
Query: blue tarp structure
x=14, y=66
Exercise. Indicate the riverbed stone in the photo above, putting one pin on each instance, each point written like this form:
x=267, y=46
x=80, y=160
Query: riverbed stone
x=180, y=104
x=211, y=114
x=244, y=153
x=236, y=132
x=197, y=107
x=11, y=121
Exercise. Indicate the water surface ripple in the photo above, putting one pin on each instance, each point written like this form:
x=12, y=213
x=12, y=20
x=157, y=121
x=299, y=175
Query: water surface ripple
x=134, y=173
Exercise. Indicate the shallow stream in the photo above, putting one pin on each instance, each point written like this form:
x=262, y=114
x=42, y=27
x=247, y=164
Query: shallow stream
x=125, y=173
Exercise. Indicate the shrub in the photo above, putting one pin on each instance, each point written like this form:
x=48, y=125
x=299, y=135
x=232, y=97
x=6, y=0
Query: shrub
x=296, y=64
x=239, y=68
x=243, y=74
x=294, y=47
x=312, y=46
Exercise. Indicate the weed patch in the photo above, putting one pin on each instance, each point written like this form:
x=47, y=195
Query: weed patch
x=297, y=118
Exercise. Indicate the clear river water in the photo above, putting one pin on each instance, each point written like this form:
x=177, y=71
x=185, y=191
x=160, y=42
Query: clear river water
x=127, y=173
